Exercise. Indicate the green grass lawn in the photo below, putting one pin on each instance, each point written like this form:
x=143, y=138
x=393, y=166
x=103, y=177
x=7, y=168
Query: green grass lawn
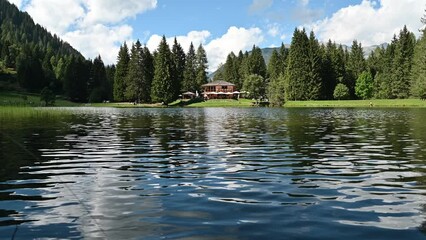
x=222, y=103
x=28, y=100
x=359, y=103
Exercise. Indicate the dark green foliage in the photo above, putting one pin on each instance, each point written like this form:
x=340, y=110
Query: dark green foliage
x=255, y=86
x=275, y=91
x=179, y=59
x=110, y=73
x=201, y=67
x=148, y=75
x=162, y=85
x=404, y=52
x=134, y=77
x=276, y=70
x=303, y=77
x=341, y=92
x=97, y=84
x=418, y=71
x=231, y=70
x=190, y=73
x=256, y=63
x=121, y=71
x=32, y=50
x=47, y=96
x=364, y=85
x=76, y=76
x=355, y=66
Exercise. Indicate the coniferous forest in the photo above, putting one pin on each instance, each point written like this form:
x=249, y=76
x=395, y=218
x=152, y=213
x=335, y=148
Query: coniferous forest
x=32, y=59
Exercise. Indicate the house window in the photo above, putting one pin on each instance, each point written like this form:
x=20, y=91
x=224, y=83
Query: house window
x=224, y=88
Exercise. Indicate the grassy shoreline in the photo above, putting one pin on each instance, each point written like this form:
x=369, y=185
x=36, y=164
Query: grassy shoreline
x=381, y=103
x=12, y=99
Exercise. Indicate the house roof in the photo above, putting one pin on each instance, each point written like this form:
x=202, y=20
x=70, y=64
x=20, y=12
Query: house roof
x=218, y=83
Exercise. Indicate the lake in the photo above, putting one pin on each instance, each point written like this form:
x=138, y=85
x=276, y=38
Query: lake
x=214, y=173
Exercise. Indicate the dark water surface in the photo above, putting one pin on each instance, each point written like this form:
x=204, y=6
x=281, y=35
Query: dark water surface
x=215, y=173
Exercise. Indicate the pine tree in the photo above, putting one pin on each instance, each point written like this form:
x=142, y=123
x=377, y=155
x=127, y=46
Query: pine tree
x=314, y=82
x=121, y=73
x=400, y=85
x=97, y=85
x=298, y=74
x=179, y=59
x=134, y=78
x=148, y=75
x=201, y=67
x=162, y=84
x=418, y=71
x=274, y=68
x=190, y=75
x=356, y=65
x=256, y=63
x=231, y=73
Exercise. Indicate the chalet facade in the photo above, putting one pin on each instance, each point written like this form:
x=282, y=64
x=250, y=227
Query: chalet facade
x=220, y=90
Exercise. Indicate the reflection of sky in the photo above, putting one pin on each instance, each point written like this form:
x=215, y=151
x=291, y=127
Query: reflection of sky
x=117, y=175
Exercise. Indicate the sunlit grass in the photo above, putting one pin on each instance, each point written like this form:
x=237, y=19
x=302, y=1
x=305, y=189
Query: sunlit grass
x=13, y=112
x=223, y=103
x=359, y=103
x=31, y=100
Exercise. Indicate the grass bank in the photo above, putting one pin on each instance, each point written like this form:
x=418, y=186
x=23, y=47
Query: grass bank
x=29, y=100
x=359, y=103
x=14, y=112
x=218, y=103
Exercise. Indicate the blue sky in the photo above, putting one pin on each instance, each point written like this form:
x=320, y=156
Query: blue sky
x=100, y=26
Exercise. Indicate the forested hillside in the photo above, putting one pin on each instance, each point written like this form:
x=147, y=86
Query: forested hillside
x=31, y=59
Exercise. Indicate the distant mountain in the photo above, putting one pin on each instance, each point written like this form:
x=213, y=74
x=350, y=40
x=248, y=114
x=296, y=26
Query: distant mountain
x=267, y=53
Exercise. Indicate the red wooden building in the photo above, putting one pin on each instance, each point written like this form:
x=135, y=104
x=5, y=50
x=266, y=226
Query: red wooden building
x=220, y=90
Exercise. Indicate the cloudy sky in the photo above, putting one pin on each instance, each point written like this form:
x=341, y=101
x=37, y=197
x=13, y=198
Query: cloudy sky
x=99, y=26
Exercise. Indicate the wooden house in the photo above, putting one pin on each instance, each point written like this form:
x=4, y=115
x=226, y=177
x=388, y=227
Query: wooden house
x=220, y=90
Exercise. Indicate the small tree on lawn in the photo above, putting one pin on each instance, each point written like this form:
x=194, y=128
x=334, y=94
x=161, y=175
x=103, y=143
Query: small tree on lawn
x=341, y=92
x=255, y=86
x=47, y=96
x=364, y=85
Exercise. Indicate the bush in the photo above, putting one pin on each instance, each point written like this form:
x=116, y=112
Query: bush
x=341, y=92
x=47, y=96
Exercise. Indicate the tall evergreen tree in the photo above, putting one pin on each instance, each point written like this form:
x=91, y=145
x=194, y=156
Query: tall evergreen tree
x=400, y=85
x=256, y=63
x=134, y=78
x=97, y=85
x=418, y=71
x=355, y=66
x=121, y=73
x=162, y=84
x=231, y=73
x=298, y=74
x=179, y=59
x=274, y=65
x=201, y=67
x=148, y=75
x=314, y=81
x=190, y=73
x=77, y=73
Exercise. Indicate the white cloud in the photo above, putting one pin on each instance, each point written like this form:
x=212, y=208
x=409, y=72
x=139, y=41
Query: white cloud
x=100, y=39
x=56, y=16
x=93, y=27
x=196, y=37
x=274, y=29
x=17, y=3
x=371, y=22
x=260, y=5
x=113, y=11
x=304, y=2
x=234, y=40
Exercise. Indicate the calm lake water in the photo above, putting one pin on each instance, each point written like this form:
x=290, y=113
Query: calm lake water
x=256, y=173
